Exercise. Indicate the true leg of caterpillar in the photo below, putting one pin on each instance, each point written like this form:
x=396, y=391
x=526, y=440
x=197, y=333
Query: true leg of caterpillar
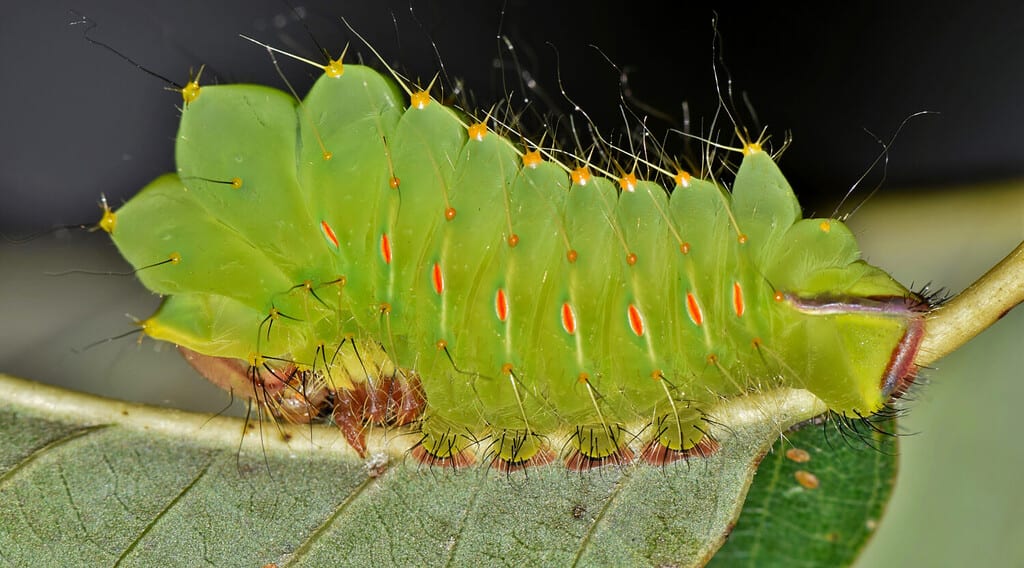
x=289, y=394
x=392, y=400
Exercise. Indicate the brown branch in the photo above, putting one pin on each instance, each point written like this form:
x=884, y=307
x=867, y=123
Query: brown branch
x=975, y=309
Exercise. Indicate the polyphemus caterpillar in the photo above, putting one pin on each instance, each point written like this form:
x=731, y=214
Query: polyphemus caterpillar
x=379, y=261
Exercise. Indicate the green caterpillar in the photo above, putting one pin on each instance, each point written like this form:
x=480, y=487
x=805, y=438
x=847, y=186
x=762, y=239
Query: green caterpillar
x=391, y=265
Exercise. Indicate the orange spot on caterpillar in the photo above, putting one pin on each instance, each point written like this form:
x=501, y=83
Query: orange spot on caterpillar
x=385, y=248
x=449, y=213
x=737, y=299
x=477, y=131
x=501, y=305
x=437, y=278
x=572, y=255
x=394, y=182
x=779, y=296
x=568, y=319
x=174, y=258
x=334, y=69
x=385, y=308
x=513, y=240
x=751, y=148
x=798, y=455
x=742, y=239
x=419, y=100
x=657, y=375
x=532, y=159
x=636, y=321
x=583, y=378
x=631, y=259
x=506, y=369
x=713, y=360
x=580, y=176
x=684, y=248
x=442, y=345
x=682, y=179
x=693, y=308
x=806, y=479
x=327, y=155
x=756, y=342
x=825, y=226
x=329, y=233
x=628, y=182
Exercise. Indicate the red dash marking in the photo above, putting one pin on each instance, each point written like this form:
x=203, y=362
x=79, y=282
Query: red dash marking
x=694, y=308
x=737, y=298
x=385, y=248
x=501, y=305
x=329, y=233
x=438, y=278
x=636, y=321
x=568, y=319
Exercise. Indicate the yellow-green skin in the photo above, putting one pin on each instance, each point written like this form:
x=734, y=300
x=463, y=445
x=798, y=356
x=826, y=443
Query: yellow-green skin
x=254, y=272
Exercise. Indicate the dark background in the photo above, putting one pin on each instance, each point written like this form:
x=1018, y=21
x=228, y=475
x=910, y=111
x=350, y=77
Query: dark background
x=78, y=121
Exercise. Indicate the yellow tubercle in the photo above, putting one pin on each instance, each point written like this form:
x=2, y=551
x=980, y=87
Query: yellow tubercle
x=108, y=222
x=190, y=92
x=751, y=148
x=419, y=100
x=334, y=69
x=477, y=131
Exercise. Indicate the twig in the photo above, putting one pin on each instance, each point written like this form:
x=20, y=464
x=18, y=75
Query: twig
x=975, y=309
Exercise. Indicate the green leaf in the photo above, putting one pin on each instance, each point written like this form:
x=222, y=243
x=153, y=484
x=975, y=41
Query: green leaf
x=103, y=482
x=816, y=498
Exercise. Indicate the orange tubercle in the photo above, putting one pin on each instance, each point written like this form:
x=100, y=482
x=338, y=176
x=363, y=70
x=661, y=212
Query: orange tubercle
x=580, y=176
x=477, y=131
x=532, y=159
x=419, y=100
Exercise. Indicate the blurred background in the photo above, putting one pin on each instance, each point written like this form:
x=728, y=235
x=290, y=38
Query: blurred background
x=79, y=122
